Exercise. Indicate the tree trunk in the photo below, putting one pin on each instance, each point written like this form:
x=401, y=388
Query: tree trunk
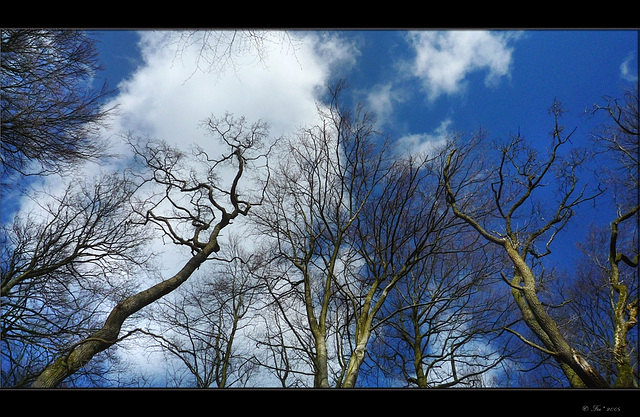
x=621, y=307
x=355, y=361
x=82, y=352
x=321, y=378
x=578, y=371
x=621, y=326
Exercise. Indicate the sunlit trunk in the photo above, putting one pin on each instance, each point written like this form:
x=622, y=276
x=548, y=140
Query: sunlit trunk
x=355, y=361
x=321, y=379
x=578, y=371
x=621, y=308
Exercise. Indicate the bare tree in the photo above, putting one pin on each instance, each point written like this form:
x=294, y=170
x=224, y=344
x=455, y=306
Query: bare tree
x=625, y=310
x=434, y=316
x=61, y=264
x=220, y=50
x=519, y=222
x=617, y=141
x=50, y=110
x=404, y=221
x=594, y=316
x=203, y=324
x=350, y=221
x=310, y=209
x=284, y=344
x=441, y=321
x=197, y=210
x=612, y=256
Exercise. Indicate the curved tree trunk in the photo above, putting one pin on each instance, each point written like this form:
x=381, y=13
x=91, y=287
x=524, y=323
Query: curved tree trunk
x=82, y=352
x=578, y=371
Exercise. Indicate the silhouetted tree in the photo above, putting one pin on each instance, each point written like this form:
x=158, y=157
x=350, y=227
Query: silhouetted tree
x=61, y=263
x=190, y=208
x=50, y=110
x=607, y=320
x=520, y=219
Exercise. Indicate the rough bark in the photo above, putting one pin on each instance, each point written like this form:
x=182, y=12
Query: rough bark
x=577, y=370
x=622, y=307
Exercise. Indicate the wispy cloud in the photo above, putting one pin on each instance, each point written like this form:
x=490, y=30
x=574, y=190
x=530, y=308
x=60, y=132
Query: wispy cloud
x=425, y=143
x=629, y=70
x=443, y=60
x=381, y=99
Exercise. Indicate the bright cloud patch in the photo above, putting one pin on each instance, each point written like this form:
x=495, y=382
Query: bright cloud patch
x=426, y=143
x=443, y=60
x=170, y=95
x=381, y=100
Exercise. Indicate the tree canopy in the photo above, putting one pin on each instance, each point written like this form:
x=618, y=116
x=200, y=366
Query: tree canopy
x=326, y=257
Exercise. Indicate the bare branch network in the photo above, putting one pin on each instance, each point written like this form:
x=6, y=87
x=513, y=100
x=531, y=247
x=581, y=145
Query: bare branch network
x=324, y=258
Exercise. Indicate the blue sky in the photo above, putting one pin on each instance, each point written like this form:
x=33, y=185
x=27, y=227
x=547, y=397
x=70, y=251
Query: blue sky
x=423, y=85
x=502, y=87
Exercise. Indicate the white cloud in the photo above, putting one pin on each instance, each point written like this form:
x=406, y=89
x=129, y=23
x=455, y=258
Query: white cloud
x=425, y=143
x=170, y=94
x=167, y=99
x=381, y=100
x=443, y=60
x=628, y=71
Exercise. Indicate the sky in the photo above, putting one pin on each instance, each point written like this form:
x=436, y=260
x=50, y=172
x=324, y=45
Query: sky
x=422, y=85
x=471, y=77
